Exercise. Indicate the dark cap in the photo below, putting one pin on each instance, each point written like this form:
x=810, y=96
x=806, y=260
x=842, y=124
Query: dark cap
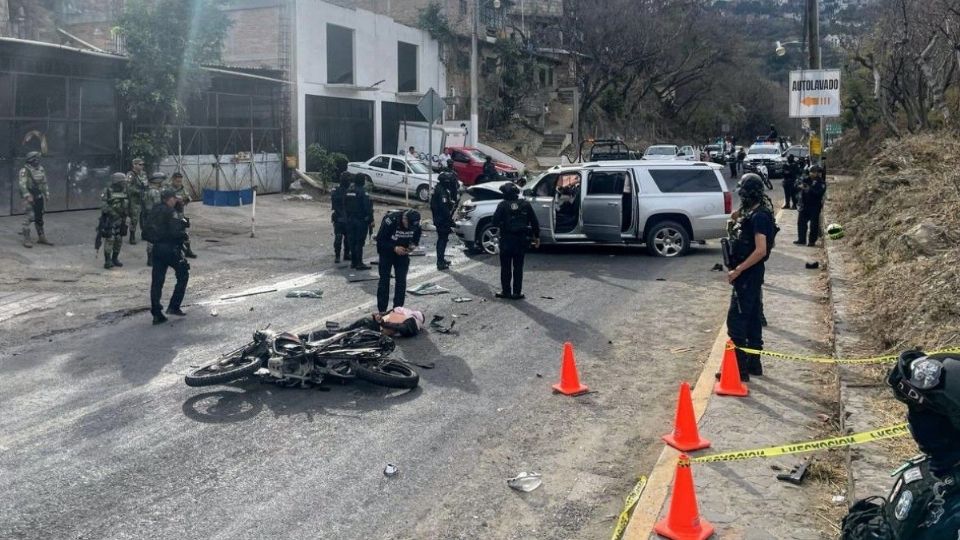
x=413, y=217
x=33, y=155
x=177, y=174
x=137, y=161
x=158, y=177
x=167, y=194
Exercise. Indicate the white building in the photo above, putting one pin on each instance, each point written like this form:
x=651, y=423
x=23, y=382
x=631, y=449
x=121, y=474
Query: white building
x=358, y=75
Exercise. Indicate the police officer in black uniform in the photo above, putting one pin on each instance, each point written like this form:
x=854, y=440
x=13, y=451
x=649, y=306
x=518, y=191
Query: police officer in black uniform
x=925, y=501
x=358, y=209
x=812, y=190
x=790, y=174
x=341, y=240
x=399, y=235
x=166, y=228
x=442, y=205
x=751, y=238
x=518, y=224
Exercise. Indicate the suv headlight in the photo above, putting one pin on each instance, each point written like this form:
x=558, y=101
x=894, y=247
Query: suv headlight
x=466, y=209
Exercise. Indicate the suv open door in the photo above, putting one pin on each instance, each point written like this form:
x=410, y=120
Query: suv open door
x=603, y=205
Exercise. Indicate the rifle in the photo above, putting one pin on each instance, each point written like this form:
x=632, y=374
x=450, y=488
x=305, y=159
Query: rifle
x=101, y=225
x=727, y=253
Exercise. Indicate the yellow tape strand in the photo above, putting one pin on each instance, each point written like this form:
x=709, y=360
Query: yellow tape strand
x=889, y=432
x=828, y=360
x=628, y=505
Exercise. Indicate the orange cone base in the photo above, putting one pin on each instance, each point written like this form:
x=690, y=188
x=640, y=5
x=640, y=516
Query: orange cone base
x=736, y=392
x=574, y=391
x=699, y=445
x=705, y=531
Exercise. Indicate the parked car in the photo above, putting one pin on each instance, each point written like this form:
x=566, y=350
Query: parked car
x=395, y=174
x=687, y=153
x=468, y=164
x=767, y=154
x=797, y=151
x=661, y=151
x=605, y=150
x=665, y=205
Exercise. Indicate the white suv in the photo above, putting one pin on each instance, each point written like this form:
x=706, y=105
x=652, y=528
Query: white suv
x=663, y=204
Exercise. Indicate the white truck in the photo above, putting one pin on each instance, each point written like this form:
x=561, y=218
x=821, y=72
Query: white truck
x=417, y=135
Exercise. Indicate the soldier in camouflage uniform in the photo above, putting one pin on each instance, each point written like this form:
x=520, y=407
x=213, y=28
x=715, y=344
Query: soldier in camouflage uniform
x=151, y=198
x=35, y=192
x=115, y=204
x=136, y=187
x=183, y=199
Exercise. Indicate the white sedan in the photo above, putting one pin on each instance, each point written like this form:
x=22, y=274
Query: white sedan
x=395, y=174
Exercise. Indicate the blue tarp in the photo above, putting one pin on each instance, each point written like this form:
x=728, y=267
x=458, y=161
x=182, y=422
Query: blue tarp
x=212, y=197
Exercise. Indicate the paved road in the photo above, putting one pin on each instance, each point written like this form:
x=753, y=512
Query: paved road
x=100, y=438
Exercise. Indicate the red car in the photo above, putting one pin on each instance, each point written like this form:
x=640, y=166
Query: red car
x=468, y=164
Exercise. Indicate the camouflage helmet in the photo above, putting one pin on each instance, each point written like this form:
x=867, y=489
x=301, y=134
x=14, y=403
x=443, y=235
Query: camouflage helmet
x=33, y=156
x=118, y=177
x=167, y=194
x=137, y=161
x=157, y=177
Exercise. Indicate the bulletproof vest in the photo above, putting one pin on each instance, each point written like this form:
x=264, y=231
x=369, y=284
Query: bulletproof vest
x=517, y=223
x=354, y=204
x=135, y=185
x=38, y=179
x=743, y=236
x=921, y=505
x=117, y=199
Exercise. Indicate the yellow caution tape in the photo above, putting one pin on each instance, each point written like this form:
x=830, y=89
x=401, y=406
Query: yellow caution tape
x=889, y=432
x=828, y=360
x=628, y=505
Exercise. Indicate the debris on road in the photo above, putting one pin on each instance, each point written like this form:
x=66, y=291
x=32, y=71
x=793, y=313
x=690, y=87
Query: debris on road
x=317, y=293
x=525, y=482
x=249, y=293
x=353, y=278
x=391, y=470
x=812, y=265
x=298, y=197
x=427, y=288
x=437, y=326
x=717, y=268
x=548, y=298
x=797, y=474
x=214, y=313
x=462, y=299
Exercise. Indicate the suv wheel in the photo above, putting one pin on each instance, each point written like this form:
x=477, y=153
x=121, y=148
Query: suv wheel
x=423, y=193
x=668, y=239
x=488, y=239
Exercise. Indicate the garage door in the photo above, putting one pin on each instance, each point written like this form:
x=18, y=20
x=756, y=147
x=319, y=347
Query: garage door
x=341, y=125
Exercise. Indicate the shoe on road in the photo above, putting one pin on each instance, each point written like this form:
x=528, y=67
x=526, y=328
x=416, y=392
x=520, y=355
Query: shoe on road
x=503, y=295
x=159, y=319
x=178, y=312
x=799, y=242
x=517, y=296
x=361, y=267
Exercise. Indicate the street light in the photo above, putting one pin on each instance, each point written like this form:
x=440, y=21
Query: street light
x=782, y=49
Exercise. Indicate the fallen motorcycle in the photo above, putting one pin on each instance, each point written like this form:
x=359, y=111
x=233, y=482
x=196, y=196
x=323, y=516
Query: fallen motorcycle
x=308, y=359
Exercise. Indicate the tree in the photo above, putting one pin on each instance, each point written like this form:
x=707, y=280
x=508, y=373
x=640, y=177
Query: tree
x=167, y=42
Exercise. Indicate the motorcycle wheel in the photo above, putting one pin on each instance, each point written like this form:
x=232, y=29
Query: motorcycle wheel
x=766, y=182
x=389, y=373
x=224, y=370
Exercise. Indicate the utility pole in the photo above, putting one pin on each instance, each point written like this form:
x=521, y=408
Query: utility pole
x=813, y=31
x=474, y=86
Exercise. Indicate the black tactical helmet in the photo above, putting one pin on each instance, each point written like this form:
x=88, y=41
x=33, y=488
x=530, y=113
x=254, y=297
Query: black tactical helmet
x=157, y=177
x=791, y=158
x=413, y=217
x=928, y=382
x=358, y=180
x=33, y=156
x=816, y=169
x=345, y=178
x=448, y=178
x=510, y=190
x=750, y=187
x=167, y=194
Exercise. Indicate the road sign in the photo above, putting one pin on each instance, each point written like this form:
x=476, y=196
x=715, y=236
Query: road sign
x=431, y=106
x=833, y=129
x=725, y=128
x=815, y=147
x=805, y=124
x=815, y=93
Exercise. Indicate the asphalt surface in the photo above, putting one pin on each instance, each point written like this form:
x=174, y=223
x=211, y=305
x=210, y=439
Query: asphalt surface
x=100, y=438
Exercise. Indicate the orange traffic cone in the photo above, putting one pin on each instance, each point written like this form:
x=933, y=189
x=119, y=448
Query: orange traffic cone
x=683, y=518
x=730, y=383
x=685, y=436
x=569, y=380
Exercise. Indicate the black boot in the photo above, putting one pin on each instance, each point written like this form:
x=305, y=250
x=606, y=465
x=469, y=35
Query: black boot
x=116, y=262
x=336, y=258
x=107, y=261
x=159, y=318
x=133, y=237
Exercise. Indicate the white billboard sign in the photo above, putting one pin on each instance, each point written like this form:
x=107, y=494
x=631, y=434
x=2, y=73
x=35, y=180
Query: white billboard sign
x=814, y=93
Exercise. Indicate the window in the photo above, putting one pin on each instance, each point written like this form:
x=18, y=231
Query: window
x=606, y=183
x=397, y=166
x=339, y=55
x=692, y=180
x=381, y=162
x=41, y=97
x=406, y=67
x=547, y=187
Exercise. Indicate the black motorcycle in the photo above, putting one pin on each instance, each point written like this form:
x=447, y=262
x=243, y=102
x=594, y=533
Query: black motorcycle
x=308, y=359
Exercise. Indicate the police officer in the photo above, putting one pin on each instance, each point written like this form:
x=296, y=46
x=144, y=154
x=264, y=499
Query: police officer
x=442, y=206
x=34, y=192
x=339, y=217
x=925, y=501
x=751, y=237
x=183, y=199
x=398, y=237
x=151, y=197
x=790, y=174
x=136, y=187
x=169, y=232
x=812, y=190
x=358, y=209
x=115, y=208
x=517, y=222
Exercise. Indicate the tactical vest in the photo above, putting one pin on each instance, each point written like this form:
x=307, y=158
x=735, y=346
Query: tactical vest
x=918, y=505
x=354, y=204
x=38, y=180
x=743, y=236
x=118, y=201
x=516, y=223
